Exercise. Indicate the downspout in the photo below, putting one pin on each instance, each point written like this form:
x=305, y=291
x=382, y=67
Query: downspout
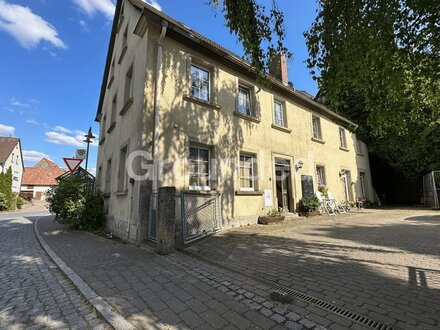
x=157, y=106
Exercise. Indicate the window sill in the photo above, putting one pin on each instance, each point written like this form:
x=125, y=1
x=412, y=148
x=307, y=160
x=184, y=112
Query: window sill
x=101, y=141
x=250, y=118
x=122, y=55
x=343, y=149
x=126, y=106
x=361, y=155
x=110, y=82
x=106, y=195
x=122, y=193
x=282, y=128
x=201, y=192
x=248, y=193
x=201, y=102
x=112, y=127
x=318, y=140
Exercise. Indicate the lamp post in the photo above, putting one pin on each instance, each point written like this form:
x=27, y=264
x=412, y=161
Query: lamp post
x=89, y=136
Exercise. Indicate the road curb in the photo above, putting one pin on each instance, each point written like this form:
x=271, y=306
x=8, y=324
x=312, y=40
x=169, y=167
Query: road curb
x=104, y=308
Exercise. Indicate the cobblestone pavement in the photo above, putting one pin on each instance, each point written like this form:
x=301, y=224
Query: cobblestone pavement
x=383, y=264
x=170, y=292
x=34, y=294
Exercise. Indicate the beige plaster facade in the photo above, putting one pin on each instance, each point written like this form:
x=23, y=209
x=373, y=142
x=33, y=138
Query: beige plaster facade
x=138, y=84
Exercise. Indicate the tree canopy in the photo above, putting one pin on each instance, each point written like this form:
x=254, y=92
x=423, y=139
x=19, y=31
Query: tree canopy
x=378, y=63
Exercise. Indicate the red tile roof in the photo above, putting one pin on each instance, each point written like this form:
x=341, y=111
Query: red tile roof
x=43, y=173
x=7, y=144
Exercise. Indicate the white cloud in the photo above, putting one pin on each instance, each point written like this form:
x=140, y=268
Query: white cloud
x=106, y=7
x=25, y=26
x=84, y=25
x=62, y=135
x=33, y=156
x=17, y=103
x=154, y=4
x=62, y=129
x=32, y=121
x=6, y=130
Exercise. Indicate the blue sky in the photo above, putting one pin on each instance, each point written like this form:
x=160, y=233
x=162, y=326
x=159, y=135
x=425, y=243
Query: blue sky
x=52, y=59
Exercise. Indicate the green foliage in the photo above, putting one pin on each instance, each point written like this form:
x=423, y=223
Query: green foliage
x=257, y=28
x=309, y=204
x=274, y=213
x=6, y=190
x=379, y=65
x=76, y=205
x=20, y=200
x=3, y=202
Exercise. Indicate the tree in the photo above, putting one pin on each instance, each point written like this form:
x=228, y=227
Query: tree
x=8, y=197
x=378, y=63
x=260, y=30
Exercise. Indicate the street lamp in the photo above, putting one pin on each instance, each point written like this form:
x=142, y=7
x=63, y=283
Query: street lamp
x=89, y=136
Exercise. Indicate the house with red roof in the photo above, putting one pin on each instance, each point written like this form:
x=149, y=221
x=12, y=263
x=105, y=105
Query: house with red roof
x=41, y=177
x=11, y=157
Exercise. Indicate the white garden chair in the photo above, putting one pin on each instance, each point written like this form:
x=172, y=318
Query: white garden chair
x=325, y=204
x=337, y=204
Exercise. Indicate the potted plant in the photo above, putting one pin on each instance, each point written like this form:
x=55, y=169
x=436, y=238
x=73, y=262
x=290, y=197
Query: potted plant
x=20, y=202
x=272, y=216
x=323, y=190
x=309, y=206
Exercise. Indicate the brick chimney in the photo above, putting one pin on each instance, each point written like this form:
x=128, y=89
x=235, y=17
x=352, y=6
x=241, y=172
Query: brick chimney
x=278, y=68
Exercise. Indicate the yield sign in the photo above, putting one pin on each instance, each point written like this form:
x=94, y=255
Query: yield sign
x=72, y=163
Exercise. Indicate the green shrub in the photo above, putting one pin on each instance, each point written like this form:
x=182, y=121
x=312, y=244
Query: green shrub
x=309, y=204
x=3, y=202
x=20, y=200
x=75, y=205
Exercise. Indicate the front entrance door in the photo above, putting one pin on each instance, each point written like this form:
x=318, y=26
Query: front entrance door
x=282, y=173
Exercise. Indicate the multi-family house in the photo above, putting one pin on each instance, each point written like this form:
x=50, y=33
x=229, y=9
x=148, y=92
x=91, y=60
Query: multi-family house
x=38, y=179
x=11, y=156
x=177, y=109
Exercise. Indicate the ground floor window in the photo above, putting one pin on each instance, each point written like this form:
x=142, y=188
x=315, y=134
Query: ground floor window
x=247, y=172
x=320, y=174
x=199, y=168
x=362, y=184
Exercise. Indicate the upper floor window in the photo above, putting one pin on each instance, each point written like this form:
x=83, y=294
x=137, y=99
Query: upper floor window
x=244, y=100
x=114, y=109
x=16, y=160
x=359, y=147
x=12, y=158
x=342, y=138
x=316, y=127
x=103, y=127
x=279, y=114
x=108, y=176
x=247, y=172
x=200, y=83
x=122, y=174
x=199, y=168
x=128, y=90
x=320, y=174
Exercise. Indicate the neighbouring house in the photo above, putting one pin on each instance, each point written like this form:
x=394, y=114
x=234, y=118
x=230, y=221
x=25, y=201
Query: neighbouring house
x=11, y=156
x=233, y=148
x=38, y=179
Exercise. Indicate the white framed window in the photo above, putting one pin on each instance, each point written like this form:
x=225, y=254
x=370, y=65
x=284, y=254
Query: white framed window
x=279, y=114
x=316, y=127
x=12, y=158
x=200, y=83
x=108, y=176
x=122, y=173
x=199, y=168
x=247, y=172
x=342, y=138
x=362, y=182
x=244, y=100
x=359, y=147
x=103, y=123
x=320, y=175
x=114, y=109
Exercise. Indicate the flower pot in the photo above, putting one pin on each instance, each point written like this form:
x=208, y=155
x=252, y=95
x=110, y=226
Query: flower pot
x=268, y=220
x=308, y=214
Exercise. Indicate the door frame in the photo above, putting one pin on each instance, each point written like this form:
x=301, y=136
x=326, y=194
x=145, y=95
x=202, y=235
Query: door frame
x=291, y=191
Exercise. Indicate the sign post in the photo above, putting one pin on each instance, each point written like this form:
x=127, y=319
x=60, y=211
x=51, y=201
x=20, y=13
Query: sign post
x=72, y=163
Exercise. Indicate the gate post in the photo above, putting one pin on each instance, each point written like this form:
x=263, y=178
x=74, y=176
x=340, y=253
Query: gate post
x=165, y=220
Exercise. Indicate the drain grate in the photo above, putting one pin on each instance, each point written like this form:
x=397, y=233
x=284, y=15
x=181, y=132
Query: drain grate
x=353, y=316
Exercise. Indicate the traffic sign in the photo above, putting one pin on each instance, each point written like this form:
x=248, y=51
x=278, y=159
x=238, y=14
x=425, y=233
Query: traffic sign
x=80, y=153
x=72, y=163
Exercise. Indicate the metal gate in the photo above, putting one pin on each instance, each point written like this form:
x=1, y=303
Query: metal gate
x=201, y=215
x=152, y=217
x=431, y=189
